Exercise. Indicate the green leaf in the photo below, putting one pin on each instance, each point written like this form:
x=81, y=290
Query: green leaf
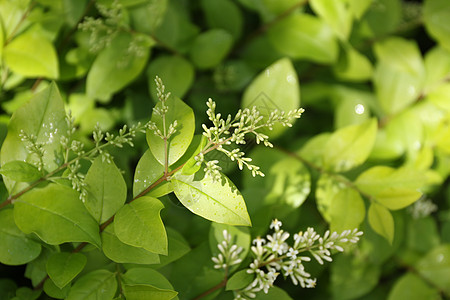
x=178, y=247
x=347, y=210
x=20, y=171
x=44, y=117
x=139, y=224
x=148, y=16
x=336, y=14
x=213, y=200
x=210, y=48
x=399, y=75
x=119, y=252
x=328, y=187
x=96, y=285
x=25, y=293
x=7, y=288
x=31, y=54
x=289, y=181
x=114, y=68
x=147, y=172
x=358, y=7
x=276, y=87
x=55, y=292
x=435, y=14
x=383, y=18
x=274, y=293
x=353, y=66
x=179, y=142
x=176, y=72
x=350, y=146
x=437, y=66
x=63, y=267
x=435, y=267
x=147, y=276
x=303, y=36
x=107, y=190
x=381, y=221
x=353, y=106
x=239, y=280
x=393, y=188
x=422, y=234
x=223, y=14
x=16, y=248
x=412, y=287
x=56, y=214
x=143, y=291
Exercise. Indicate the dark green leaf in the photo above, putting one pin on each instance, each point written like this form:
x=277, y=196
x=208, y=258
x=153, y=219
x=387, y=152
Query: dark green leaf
x=435, y=267
x=412, y=287
x=223, y=14
x=63, y=267
x=210, y=48
x=239, y=280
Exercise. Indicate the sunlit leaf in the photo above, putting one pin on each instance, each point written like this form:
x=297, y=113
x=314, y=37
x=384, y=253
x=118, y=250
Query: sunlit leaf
x=327, y=188
x=145, y=283
x=435, y=267
x=336, y=14
x=96, y=285
x=381, y=221
x=63, y=267
x=347, y=210
x=20, y=171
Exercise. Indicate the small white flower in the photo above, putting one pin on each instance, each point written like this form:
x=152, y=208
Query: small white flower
x=276, y=225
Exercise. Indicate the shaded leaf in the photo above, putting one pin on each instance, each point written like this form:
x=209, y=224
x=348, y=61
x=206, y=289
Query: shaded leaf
x=210, y=48
x=435, y=15
x=412, y=287
x=435, y=267
x=239, y=280
x=96, y=285
x=381, y=221
x=143, y=291
x=63, y=267
x=20, y=171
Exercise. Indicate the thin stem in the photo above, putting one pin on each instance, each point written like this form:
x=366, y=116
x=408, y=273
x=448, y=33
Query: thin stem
x=22, y=19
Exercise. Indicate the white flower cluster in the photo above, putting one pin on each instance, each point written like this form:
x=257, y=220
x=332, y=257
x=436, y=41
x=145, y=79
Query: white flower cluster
x=229, y=254
x=233, y=131
x=274, y=256
x=422, y=208
x=34, y=147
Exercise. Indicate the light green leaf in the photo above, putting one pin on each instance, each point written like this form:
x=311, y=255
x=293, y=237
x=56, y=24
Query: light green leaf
x=350, y=146
x=435, y=16
x=289, y=181
x=412, y=287
x=148, y=16
x=347, y=210
x=56, y=214
x=381, y=220
x=274, y=293
x=382, y=19
x=147, y=276
x=115, y=67
x=435, y=267
x=63, y=267
x=327, y=188
x=147, y=172
x=303, y=36
x=393, y=188
x=176, y=72
x=223, y=14
x=276, y=87
x=32, y=54
x=139, y=224
x=239, y=280
x=178, y=247
x=353, y=106
x=119, y=252
x=270, y=9
x=437, y=66
x=353, y=66
x=16, y=248
x=358, y=7
x=1, y=41
x=44, y=117
x=399, y=75
x=179, y=142
x=20, y=171
x=213, y=200
x=210, y=48
x=96, y=285
x=336, y=14
x=107, y=190
x=143, y=291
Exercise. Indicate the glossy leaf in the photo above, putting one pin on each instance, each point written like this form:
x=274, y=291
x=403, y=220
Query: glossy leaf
x=393, y=188
x=20, y=171
x=350, y=146
x=179, y=142
x=96, y=285
x=223, y=14
x=176, y=72
x=336, y=14
x=381, y=220
x=303, y=36
x=400, y=74
x=114, y=68
x=56, y=214
x=32, y=54
x=17, y=248
x=147, y=172
x=347, y=210
x=120, y=252
x=353, y=106
x=412, y=287
x=290, y=182
x=44, y=117
x=276, y=87
x=63, y=267
x=107, y=190
x=435, y=267
x=210, y=48
x=139, y=224
x=239, y=280
x=435, y=14
x=218, y=201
